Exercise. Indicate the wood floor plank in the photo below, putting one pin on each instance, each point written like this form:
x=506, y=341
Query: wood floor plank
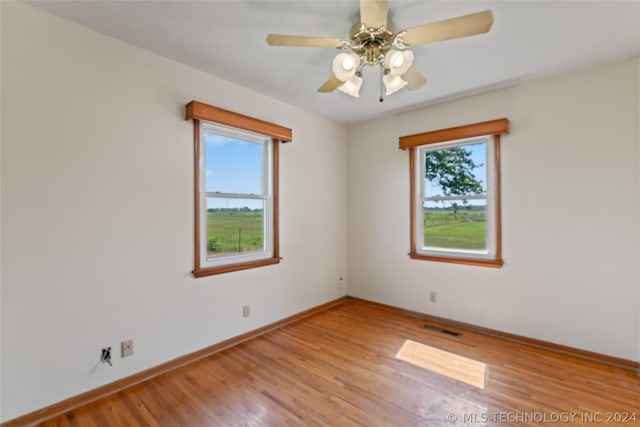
x=338, y=368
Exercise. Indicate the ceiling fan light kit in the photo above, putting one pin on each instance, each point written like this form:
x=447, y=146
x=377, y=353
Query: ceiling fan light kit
x=346, y=68
x=396, y=64
x=374, y=44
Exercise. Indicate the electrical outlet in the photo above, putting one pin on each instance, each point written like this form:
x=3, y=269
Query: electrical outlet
x=433, y=297
x=246, y=311
x=105, y=355
x=341, y=284
x=126, y=348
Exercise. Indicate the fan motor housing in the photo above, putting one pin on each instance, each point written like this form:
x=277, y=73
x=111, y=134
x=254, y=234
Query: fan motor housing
x=371, y=44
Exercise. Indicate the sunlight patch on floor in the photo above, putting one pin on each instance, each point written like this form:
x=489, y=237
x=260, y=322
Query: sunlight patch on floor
x=442, y=362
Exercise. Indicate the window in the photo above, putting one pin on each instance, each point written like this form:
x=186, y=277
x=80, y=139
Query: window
x=237, y=183
x=455, y=194
x=236, y=190
x=455, y=199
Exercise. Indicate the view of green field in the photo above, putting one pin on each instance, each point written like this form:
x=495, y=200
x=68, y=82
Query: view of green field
x=465, y=229
x=233, y=232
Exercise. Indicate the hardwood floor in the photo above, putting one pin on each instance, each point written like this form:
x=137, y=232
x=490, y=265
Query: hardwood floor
x=338, y=368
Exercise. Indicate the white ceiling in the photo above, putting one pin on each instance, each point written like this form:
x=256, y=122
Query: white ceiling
x=529, y=39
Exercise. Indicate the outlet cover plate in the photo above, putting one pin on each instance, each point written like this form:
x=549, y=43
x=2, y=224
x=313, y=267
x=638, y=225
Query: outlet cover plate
x=127, y=348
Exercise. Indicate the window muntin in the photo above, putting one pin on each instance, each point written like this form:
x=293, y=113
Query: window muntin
x=455, y=206
x=236, y=174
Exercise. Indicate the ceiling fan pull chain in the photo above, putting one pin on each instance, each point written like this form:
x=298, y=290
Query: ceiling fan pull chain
x=381, y=84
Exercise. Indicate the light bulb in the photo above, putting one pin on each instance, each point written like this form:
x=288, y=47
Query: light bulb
x=347, y=63
x=398, y=61
x=344, y=65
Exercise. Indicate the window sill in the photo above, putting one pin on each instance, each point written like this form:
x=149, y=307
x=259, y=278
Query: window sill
x=210, y=271
x=497, y=263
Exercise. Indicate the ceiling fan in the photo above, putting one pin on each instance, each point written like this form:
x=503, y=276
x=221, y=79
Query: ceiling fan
x=375, y=42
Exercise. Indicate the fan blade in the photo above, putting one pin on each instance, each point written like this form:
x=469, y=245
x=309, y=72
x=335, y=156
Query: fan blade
x=462, y=26
x=373, y=13
x=303, y=41
x=330, y=85
x=414, y=79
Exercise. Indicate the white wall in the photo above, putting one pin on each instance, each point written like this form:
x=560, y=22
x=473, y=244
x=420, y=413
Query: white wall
x=570, y=213
x=97, y=212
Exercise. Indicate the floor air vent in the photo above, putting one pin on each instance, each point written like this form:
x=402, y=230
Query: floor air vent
x=442, y=331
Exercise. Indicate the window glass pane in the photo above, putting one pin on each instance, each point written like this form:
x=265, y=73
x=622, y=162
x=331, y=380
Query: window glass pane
x=234, y=226
x=456, y=171
x=455, y=224
x=232, y=165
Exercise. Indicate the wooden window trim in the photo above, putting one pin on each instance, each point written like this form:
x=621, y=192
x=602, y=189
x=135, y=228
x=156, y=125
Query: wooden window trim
x=491, y=128
x=198, y=111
